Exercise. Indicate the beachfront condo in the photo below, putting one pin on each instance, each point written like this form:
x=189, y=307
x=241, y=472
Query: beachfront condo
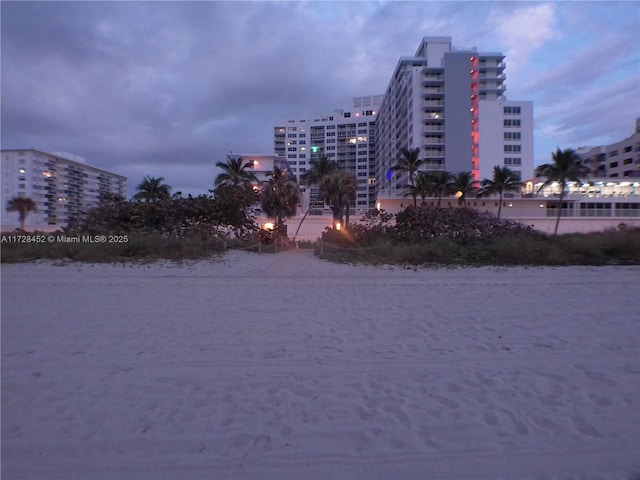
x=62, y=186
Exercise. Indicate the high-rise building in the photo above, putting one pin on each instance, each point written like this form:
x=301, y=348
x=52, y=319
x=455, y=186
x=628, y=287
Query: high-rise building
x=618, y=160
x=450, y=104
x=347, y=137
x=61, y=185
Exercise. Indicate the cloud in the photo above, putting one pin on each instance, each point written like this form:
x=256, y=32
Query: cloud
x=169, y=88
x=522, y=31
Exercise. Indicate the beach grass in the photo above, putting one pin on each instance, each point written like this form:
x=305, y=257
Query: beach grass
x=137, y=247
x=601, y=248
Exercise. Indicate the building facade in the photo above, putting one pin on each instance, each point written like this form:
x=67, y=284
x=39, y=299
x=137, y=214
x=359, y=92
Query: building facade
x=61, y=185
x=618, y=160
x=347, y=137
x=450, y=104
x=590, y=206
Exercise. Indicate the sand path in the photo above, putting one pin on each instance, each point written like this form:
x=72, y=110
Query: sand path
x=287, y=367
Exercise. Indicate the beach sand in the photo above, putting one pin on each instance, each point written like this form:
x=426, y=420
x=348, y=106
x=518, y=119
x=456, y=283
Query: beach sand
x=288, y=367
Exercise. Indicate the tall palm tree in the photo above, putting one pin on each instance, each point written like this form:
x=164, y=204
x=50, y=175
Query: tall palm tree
x=409, y=161
x=566, y=166
x=504, y=180
x=280, y=197
x=463, y=183
x=441, y=183
x=235, y=171
x=319, y=169
x=23, y=206
x=151, y=189
x=338, y=190
x=423, y=186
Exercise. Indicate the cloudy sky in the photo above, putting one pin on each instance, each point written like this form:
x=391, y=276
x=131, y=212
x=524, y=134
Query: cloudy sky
x=169, y=88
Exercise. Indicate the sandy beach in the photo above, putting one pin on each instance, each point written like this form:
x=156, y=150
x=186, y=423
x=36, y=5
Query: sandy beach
x=288, y=367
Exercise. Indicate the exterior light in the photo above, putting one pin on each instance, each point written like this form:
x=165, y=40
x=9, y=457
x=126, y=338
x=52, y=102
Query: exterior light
x=541, y=205
x=268, y=226
x=255, y=162
x=338, y=226
x=378, y=205
x=22, y=170
x=458, y=194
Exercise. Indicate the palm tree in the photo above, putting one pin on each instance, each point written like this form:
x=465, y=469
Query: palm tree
x=464, y=184
x=280, y=197
x=441, y=183
x=423, y=186
x=409, y=162
x=504, y=180
x=151, y=189
x=235, y=172
x=566, y=166
x=23, y=206
x=338, y=190
x=318, y=170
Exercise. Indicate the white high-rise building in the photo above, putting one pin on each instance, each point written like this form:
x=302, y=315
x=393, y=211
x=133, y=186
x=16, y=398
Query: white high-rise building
x=450, y=104
x=61, y=185
x=345, y=137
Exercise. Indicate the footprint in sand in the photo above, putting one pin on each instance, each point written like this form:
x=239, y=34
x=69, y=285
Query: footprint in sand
x=546, y=424
x=600, y=378
x=446, y=402
x=490, y=419
x=584, y=427
x=260, y=444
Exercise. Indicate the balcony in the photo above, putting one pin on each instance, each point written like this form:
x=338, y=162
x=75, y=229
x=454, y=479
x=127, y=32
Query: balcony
x=433, y=141
x=433, y=104
x=432, y=92
x=433, y=117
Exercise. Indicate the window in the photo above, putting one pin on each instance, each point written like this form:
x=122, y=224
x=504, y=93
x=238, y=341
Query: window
x=512, y=149
x=292, y=129
x=511, y=110
x=613, y=153
x=613, y=164
x=292, y=149
x=513, y=161
x=627, y=161
x=511, y=122
x=512, y=135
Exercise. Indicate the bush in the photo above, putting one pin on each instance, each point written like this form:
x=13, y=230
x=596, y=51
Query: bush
x=461, y=225
x=443, y=236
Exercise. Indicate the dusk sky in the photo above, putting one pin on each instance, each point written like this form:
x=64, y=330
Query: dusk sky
x=169, y=88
